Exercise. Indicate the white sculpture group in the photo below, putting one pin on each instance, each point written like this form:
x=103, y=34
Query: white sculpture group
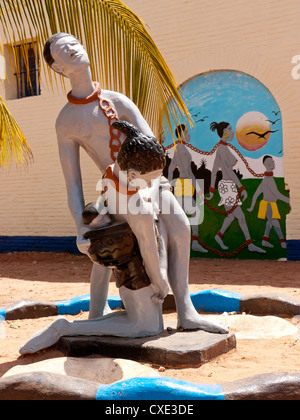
x=87, y=121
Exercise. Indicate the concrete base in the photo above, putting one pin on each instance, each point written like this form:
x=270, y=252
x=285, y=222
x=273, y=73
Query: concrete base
x=98, y=370
x=169, y=349
x=45, y=386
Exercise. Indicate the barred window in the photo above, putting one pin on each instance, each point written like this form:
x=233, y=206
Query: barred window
x=27, y=85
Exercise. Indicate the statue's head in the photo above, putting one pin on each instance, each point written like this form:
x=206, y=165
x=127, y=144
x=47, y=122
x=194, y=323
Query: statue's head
x=65, y=54
x=142, y=157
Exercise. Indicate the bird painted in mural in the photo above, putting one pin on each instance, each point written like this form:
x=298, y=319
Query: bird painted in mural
x=262, y=136
x=201, y=120
x=276, y=113
x=273, y=122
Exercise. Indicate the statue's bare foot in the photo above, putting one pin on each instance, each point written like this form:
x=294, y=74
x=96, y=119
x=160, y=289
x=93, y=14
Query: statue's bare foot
x=45, y=338
x=198, y=322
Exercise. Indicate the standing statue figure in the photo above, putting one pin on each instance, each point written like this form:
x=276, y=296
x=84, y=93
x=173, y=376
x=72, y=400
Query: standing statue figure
x=86, y=121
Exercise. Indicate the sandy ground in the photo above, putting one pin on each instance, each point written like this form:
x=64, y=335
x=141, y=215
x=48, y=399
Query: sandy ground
x=53, y=277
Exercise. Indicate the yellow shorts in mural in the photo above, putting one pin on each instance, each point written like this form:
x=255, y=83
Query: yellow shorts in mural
x=184, y=188
x=264, y=207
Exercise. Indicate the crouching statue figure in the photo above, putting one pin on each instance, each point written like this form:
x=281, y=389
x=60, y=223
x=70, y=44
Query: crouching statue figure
x=126, y=241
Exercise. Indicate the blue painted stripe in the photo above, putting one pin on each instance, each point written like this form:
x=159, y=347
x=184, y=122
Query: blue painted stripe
x=114, y=302
x=2, y=314
x=82, y=303
x=293, y=250
x=74, y=306
x=38, y=243
x=159, y=389
x=216, y=301
x=68, y=244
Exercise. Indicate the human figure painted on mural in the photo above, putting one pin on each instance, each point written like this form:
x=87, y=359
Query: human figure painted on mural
x=268, y=208
x=82, y=123
x=186, y=185
x=230, y=187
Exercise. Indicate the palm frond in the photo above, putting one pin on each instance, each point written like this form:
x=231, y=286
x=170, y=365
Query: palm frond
x=2, y=63
x=123, y=55
x=13, y=143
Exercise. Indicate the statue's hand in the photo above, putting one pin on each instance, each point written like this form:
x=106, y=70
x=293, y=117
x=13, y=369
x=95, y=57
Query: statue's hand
x=83, y=244
x=160, y=291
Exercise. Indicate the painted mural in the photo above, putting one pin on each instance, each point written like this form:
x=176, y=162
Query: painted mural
x=227, y=171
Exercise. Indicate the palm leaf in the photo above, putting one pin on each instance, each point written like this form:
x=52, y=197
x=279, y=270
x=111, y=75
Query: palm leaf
x=13, y=143
x=122, y=53
x=2, y=63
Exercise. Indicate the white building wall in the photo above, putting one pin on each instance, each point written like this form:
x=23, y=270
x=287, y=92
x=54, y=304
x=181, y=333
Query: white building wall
x=258, y=37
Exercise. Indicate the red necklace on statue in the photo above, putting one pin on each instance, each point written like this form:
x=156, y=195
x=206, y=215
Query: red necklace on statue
x=84, y=101
x=108, y=110
x=109, y=174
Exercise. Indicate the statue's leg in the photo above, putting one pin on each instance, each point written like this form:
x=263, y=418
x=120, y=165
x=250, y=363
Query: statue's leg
x=179, y=240
x=142, y=318
x=100, y=278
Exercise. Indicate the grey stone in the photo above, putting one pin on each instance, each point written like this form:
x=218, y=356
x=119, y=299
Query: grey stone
x=30, y=309
x=272, y=386
x=39, y=386
x=269, y=304
x=178, y=349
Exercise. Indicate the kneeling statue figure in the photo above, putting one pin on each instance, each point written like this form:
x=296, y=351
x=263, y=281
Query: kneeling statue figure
x=123, y=242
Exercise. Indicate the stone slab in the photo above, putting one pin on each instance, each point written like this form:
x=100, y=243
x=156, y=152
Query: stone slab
x=175, y=349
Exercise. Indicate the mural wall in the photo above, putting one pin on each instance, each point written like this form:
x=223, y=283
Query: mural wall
x=239, y=204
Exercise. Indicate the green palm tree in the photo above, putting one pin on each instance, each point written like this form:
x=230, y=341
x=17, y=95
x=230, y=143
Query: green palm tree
x=122, y=53
x=13, y=143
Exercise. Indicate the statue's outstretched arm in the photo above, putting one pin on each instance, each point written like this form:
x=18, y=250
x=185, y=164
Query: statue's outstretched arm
x=69, y=157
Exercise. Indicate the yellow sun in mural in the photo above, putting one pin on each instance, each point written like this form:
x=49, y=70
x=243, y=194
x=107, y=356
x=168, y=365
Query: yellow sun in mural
x=253, y=131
